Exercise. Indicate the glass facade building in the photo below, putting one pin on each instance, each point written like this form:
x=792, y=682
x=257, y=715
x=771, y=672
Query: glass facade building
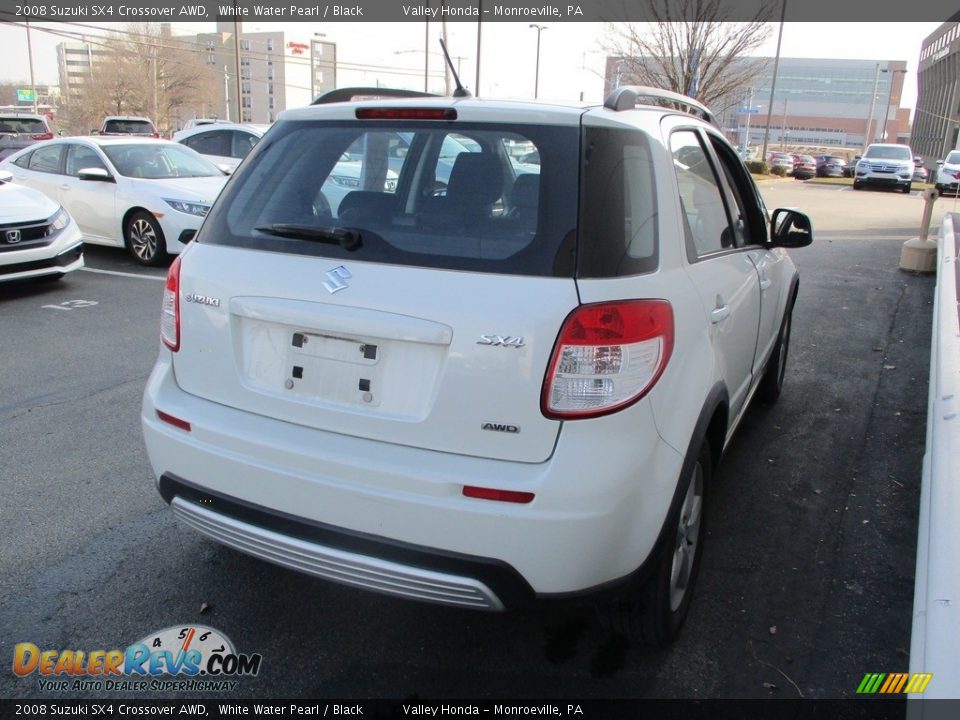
x=938, y=93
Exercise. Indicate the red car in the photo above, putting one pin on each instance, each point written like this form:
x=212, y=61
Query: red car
x=804, y=167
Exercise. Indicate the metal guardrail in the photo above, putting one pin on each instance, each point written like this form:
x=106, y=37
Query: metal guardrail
x=936, y=605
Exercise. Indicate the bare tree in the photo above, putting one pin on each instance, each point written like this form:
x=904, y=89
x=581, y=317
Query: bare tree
x=147, y=72
x=691, y=47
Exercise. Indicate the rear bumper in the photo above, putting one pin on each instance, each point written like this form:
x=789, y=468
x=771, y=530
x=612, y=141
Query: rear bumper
x=302, y=497
x=348, y=558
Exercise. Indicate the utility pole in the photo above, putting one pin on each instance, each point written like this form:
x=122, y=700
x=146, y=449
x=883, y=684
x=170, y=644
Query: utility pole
x=867, y=136
x=536, y=77
x=783, y=128
x=773, y=83
x=236, y=57
x=33, y=86
x=886, y=113
x=476, y=87
x=226, y=93
x=746, y=138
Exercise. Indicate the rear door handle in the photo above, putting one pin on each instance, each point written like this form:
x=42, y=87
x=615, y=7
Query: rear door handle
x=64, y=187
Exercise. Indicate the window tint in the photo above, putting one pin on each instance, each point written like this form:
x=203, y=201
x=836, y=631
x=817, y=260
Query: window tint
x=749, y=225
x=129, y=127
x=157, y=161
x=32, y=126
x=700, y=196
x=213, y=142
x=47, y=159
x=953, y=158
x=80, y=157
x=243, y=143
x=416, y=193
x=24, y=160
x=889, y=152
x=618, y=232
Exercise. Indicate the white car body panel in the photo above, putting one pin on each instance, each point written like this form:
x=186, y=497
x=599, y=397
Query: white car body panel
x=102, y=206
x=272, y=358
x=22, y=207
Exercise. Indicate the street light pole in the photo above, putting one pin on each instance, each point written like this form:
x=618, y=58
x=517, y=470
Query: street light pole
x=773, y=83
x=886, y=113
x=33, y=87
x=536, y=80
x=867, y=135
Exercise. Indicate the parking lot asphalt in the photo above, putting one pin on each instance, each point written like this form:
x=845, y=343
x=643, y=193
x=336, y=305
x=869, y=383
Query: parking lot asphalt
x=807, y=578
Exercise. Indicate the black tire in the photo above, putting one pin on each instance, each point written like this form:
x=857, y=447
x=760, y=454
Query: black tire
x=857, y=186
x=771, y=384
x=654, y=612
x=144, y=239
x=906, y=189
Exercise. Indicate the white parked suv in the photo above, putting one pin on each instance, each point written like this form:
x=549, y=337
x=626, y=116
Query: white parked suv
x=885, y=165
x=38, y=238
x=507, y=386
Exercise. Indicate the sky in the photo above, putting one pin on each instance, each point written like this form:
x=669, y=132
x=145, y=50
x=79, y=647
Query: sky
x=571, y=54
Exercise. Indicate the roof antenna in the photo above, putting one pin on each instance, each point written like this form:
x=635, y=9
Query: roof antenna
x=461, y=91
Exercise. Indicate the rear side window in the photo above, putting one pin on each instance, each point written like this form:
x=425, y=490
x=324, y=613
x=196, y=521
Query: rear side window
x=430, y=194
x=618, y=229
x=47, y=159
x=213, y=142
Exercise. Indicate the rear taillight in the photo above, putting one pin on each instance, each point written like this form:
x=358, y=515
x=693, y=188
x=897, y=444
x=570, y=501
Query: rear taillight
x=42, y=136
x=170, y=313
x=608, y=356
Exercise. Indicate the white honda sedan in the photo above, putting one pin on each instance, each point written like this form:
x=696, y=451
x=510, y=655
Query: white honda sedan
x=147, y=195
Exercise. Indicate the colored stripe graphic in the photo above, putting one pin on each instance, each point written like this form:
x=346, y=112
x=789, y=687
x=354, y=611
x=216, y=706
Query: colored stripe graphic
x=893, y=683
x=918, y=682
x=870, y=683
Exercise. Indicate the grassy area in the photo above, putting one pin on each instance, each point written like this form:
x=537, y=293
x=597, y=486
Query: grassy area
x=832, y=181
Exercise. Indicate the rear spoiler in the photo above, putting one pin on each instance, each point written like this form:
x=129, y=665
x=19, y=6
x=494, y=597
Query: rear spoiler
x=367, y=93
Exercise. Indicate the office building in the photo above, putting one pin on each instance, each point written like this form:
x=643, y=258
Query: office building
x=938, y=93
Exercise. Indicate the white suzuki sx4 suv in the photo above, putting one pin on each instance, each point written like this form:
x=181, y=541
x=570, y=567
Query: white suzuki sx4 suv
x=498, y=362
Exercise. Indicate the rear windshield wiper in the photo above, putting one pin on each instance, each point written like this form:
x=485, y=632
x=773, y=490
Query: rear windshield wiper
x=348, y=239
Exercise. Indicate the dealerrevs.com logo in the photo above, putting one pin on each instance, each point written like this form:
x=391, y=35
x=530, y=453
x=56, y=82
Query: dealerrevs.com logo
x=178, y=658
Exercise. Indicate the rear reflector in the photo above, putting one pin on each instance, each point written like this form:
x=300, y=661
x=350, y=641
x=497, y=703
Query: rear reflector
x=406, y=113
x=607, y=357
x=175, y=421
x=512, y=496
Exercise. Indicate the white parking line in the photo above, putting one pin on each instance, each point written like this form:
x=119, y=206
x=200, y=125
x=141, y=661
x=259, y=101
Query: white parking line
x=124, y=274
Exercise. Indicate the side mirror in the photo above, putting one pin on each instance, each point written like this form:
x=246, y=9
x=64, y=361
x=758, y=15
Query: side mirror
x=790, y=228
x=939, y=163
x=225, y=169
x=187, y=235
x=5, y=177
x=60, y=133
x=95, y=174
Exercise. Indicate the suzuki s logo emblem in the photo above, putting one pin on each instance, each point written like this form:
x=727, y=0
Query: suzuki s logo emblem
x=335, y=279
x=13, y=236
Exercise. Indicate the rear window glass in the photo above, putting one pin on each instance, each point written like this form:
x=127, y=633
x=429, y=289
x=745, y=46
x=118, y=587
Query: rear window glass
x=128, y=127
x=431, y=194
x=32, y=126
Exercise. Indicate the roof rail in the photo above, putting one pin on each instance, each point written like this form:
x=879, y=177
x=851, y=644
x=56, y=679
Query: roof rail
x=366, y=93
x=625, y=98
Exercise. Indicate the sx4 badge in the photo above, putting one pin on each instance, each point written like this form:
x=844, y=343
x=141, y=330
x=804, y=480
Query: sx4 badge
x=185, y=653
